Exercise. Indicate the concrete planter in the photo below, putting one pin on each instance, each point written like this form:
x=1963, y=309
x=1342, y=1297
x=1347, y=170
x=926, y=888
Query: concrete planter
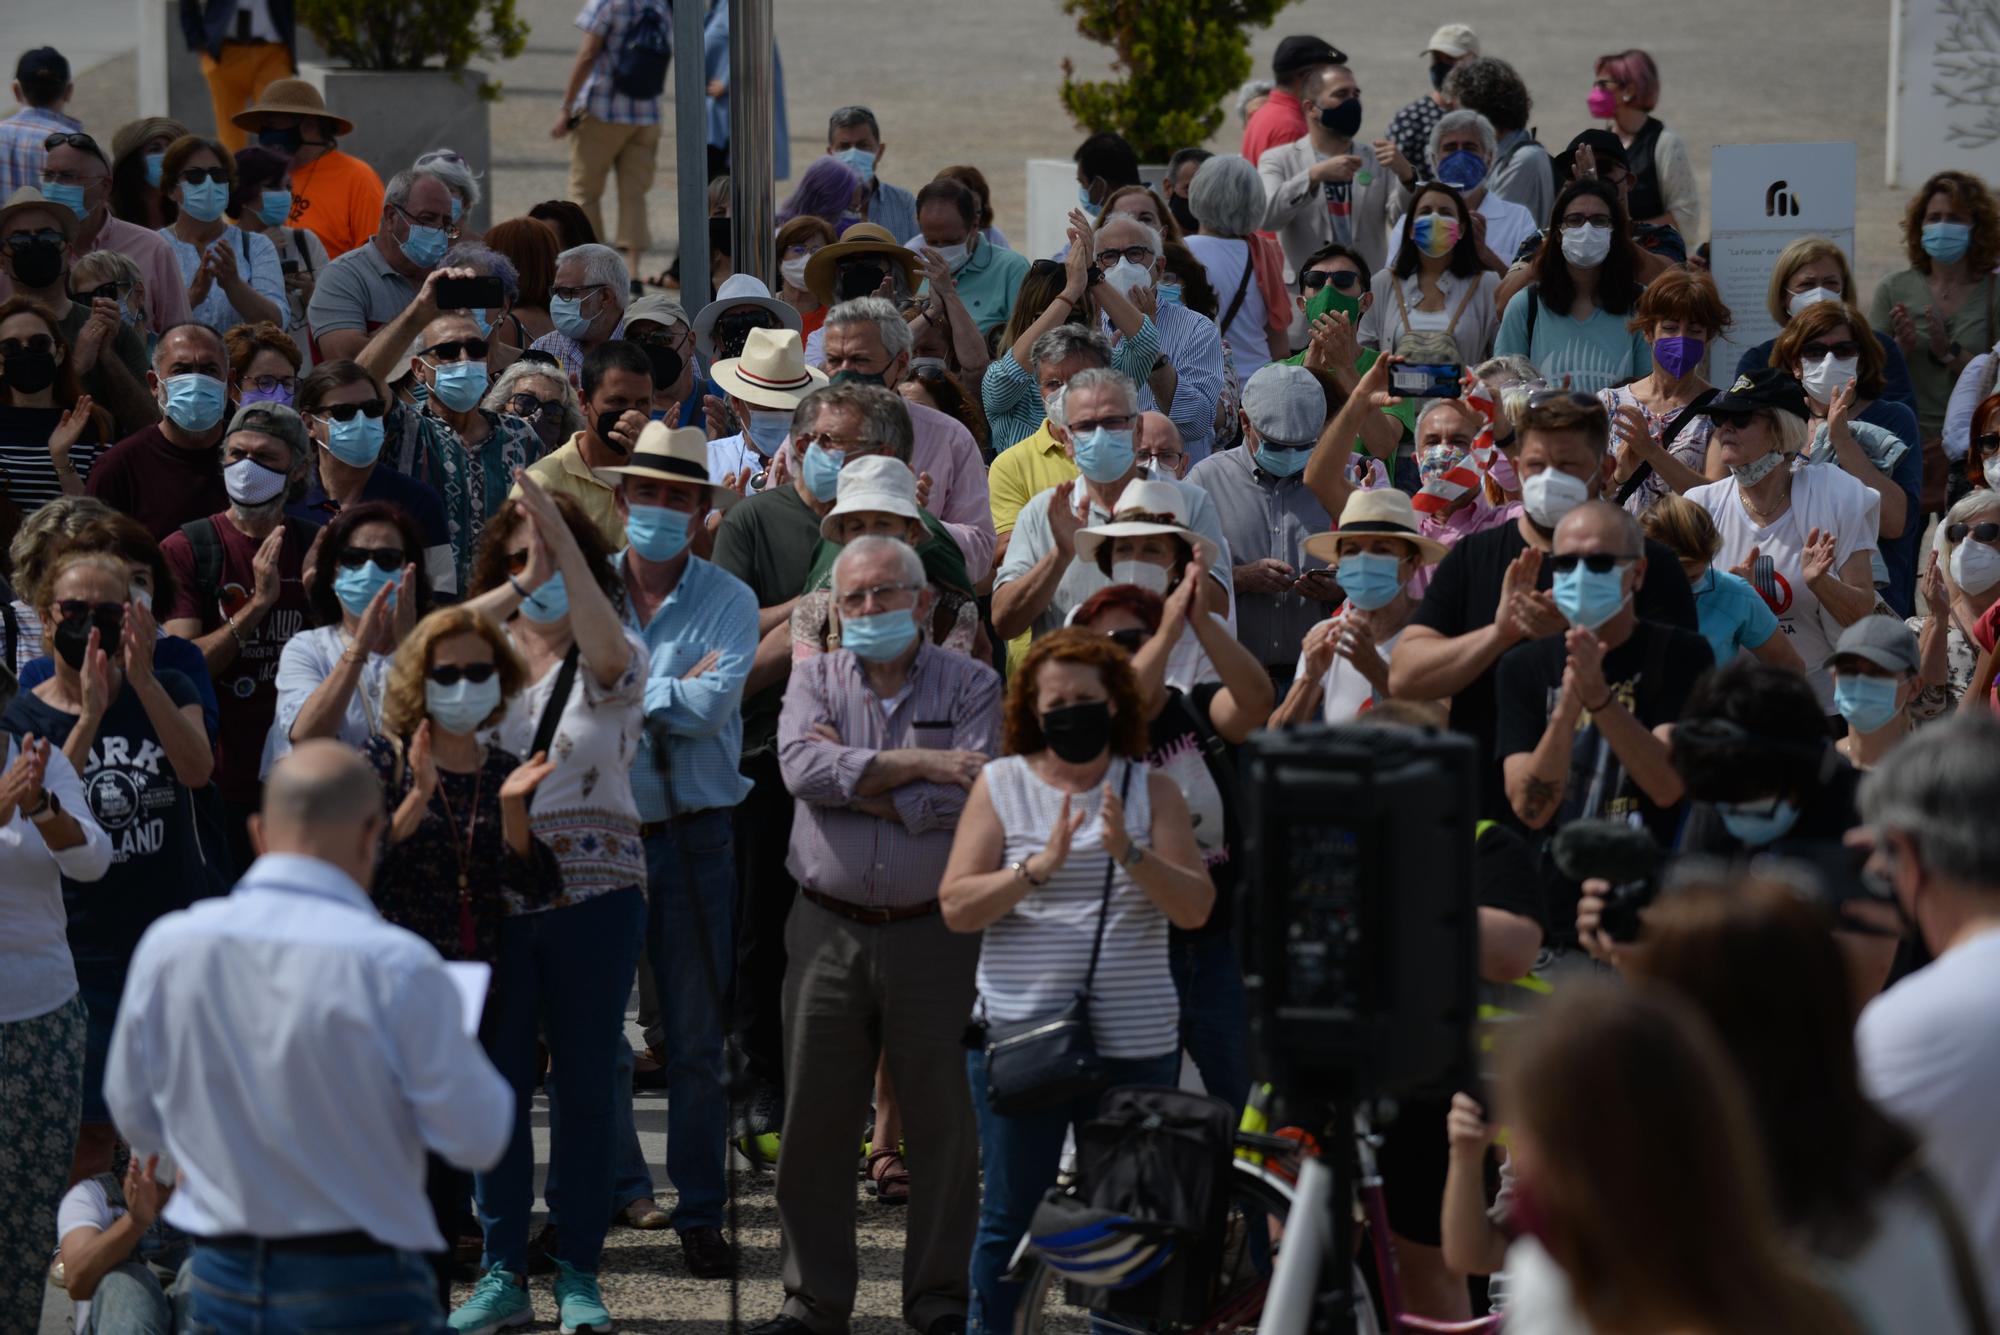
x=1052, y=194
x=399, y=115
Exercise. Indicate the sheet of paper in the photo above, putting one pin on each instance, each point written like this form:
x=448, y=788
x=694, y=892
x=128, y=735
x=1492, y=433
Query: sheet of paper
x=470, y=978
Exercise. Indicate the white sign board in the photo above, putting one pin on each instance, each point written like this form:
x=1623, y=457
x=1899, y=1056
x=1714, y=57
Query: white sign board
x=1944, y=89
x=1763, y=197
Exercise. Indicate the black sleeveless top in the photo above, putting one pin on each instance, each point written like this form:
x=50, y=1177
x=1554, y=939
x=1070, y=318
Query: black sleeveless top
x=1646, y=201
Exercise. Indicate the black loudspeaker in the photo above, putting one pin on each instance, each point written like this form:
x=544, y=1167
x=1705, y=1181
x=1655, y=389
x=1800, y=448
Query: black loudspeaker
x=1357, y=920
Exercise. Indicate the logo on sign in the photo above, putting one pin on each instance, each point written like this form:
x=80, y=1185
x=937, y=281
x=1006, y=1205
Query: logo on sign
x=1780, y=201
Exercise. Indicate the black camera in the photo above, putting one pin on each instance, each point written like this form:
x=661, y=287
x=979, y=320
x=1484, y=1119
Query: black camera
x=1625, y=855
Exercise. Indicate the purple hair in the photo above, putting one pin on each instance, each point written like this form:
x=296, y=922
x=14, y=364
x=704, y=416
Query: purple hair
x=825, y=191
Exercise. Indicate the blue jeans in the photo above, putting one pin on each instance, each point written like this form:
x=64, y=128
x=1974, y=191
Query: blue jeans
x=250, y=1291
x=630, y=1180
x=1215, y=1012
x=130, y=1301
x=1020, y=1156
x=571, y=969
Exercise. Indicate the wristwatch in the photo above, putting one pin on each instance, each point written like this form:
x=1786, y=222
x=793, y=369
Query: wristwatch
x=1020, y=869
x=1132, y=855
x=48, y=810
x=1095, y=276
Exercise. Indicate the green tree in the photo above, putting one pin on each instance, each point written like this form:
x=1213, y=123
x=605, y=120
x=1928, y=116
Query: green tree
x=414, y=34
x=1179, y=59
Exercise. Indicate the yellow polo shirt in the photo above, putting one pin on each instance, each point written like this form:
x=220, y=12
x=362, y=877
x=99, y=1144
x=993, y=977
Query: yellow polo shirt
x=1030, y=465
x=564, y=470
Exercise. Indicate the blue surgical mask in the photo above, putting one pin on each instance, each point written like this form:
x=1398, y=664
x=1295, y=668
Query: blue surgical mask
x=457, y=209
x=204, y=201
x=861, y=160
x=275, y=207
x=821, y=471
x=1947, y=241
x=566, y=313
x=485, y=325
x=1751, y=824
x=767, y=430
x=1280, y=460
x=154, y=163
x=425, y=246
x=1369, y=579
x=1168, y=293
x=459, y=384
x=1867, y=703
x=357, y=442
x=356, y=587
x=195, y=402
x=1104, y=455
x=1083, y=201
x=548, y=603
x=655, y=532
x=463, y=705
x=69, y=196
x=1462, y=171
x=1588, y=599
x=879, y=636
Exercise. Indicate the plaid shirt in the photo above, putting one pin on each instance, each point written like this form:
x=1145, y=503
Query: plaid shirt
x=611, y=20
x=21, y=151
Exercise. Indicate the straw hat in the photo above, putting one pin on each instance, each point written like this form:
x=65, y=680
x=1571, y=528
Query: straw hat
x=772, y=372
x=1147, y=497
x=291, y=97
x=860, y=239
x=26, y=198
x=1382, y=512
x=133, y=135
x=671, y=454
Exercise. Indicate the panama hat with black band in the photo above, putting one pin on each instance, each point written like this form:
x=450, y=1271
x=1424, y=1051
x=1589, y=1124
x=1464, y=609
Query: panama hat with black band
x=671, y=454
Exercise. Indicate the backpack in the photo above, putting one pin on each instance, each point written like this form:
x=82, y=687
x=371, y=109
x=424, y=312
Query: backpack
x=639, y=64
x=1431, y=346
x=207, y=545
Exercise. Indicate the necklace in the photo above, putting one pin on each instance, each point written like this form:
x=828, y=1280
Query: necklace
x=1764, y=518
x=464, y=855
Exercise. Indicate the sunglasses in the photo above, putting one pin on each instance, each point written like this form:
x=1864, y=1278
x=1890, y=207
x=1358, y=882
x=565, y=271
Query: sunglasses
x=32, y=343
x=1842, y=350
x=61, y=139
x=344, y=412
x=527, y=405
x=1554, y=394
x=1597, y=563
x=1312, y=280
x=1132, y=639
x=19, y=241
x=451, y=675
x=196, y=175
x=389, y=558
x=112, y=291
x=1988, y=442
x=457, y=350
x=105, y=616
x=1732, y=418
x=1985, y=532
x=517, y=561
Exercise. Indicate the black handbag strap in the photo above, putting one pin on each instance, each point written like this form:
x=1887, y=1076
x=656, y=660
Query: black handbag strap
x=1667, y=438
x=545, y=730
x=1242, y=288
x=1104, y=903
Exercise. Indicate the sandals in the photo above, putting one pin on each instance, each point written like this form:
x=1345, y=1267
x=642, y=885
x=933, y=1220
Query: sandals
x=890, y=1175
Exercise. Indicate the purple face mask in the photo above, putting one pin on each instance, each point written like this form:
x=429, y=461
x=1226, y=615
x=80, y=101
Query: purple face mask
x=1677, y=356
x=275, y=394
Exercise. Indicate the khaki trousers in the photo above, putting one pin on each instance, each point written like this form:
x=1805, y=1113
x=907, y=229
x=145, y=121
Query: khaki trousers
x=598, y=147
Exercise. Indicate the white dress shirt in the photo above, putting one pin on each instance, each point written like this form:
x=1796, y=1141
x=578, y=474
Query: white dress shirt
x=309, y=659
x=36, y=974
x=297, y=1055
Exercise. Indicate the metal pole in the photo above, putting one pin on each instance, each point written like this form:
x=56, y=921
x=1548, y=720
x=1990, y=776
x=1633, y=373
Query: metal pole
x=751, y=96
x=691, y=153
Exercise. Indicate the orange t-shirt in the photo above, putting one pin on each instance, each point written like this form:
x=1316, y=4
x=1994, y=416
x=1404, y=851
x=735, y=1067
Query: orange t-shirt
x=338, y=199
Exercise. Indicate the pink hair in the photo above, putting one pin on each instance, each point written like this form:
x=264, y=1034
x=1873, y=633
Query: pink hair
x=1635, y=70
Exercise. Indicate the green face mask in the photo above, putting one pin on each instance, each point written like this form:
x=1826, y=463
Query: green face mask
x=1331, y=298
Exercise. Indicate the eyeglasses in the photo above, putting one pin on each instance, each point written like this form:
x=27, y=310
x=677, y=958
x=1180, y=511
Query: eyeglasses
x=1167, y=459
x=344, y=412
x=852, y=604
x=576, y=293
x=288, y=383
x=196, y=175
x=20, y=241
x=353, y=558
x=105, y=616
x=438, y=221
x=1597, y=563
x=1844, y=350
x=1571, y=221
x=451, y=674
x=1312, y=280
x=1118, y=423
x=32, y=343
x=1985, y=532
x=527, y=405
x=826, y=440
x=457, y=350
x=1139, y=255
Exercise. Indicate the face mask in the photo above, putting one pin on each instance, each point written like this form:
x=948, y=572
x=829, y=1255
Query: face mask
x=31, y=370
x=1586, y=246
x=357, y=442
x=69, y=196
x=566, y=313
x=548, y=603
x=927, y=363
x=1168, y=293
x=1462, y=171
x=1603, y=103
x=1757, y=828
x=357, y=587
x=275, y=207
x=459, y=384
x=1991, y=470
x=154, y=163
x=457, y=209
x=1434, y=461
x=607, y=422
x=73, y=641
x=655, y=532
x=1867, y=703
x=250, y=483
x=1435, y=234
x=1439, y=68
x=1947, y=241
x=794, y=271
x=1549, y=495
x=204, y=202
x=1829, y=375
x=1089, y=206
x=767, y=430
x=463, y=705
x=1183, y=213
x=953, y=256
x=880, y=636
x=853, y=377
x=194, y=401
x=1812, y=296
x=1142, y=573
x=1369, y=579
x=861, y=160
x=821, y=471
x=667, y=365
x=1077, y=733
x=1344, y=119
x=1331, y=298
x=275, y=394
x=859, y=280
x=1975, y=567
x=1677, y=356
x=38, y=264
x=1281, y=461
x=1128, y=277
x=1750, y=474
x=1104, y=455
x=287, y=142
x=425, y=246
x=142, y=597
x=1587, y=599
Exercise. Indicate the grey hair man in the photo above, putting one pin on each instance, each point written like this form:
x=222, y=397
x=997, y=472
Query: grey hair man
x=586, y=302
x=298, y=950
x=1464, y=147
x=370, y=285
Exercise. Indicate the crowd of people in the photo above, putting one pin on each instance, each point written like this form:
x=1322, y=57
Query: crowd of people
x=858, y=668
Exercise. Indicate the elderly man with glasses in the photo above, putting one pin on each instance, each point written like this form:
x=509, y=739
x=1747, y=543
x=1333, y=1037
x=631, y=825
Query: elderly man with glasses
x=371, y=285
x=587, y=303
x=1186, y=380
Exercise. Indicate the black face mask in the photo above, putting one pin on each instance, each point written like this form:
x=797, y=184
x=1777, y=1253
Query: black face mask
x=732, y=331
x=73, y=639
x=1344, y=119
x=1183, y=214
x=605, y=422
x=30, y=370
x=861, y=280
x=287, y=142
x=1077, y=733
x=859, y=378
x=667, y=364
x=1439, y=68
x=37, y=264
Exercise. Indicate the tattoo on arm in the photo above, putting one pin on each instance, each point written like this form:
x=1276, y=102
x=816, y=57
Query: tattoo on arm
x=1541, y=795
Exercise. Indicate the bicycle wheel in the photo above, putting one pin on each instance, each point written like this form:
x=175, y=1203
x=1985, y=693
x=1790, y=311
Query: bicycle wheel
x=1257, y=1201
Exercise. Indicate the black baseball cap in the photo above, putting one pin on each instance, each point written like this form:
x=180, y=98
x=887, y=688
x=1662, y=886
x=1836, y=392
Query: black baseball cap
x=1302, y=53
x=43, y=68
x=1762, y=390
x=1602, y=143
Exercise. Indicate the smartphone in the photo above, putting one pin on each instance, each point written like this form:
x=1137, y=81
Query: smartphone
x=470, y=294
x=1764, y=578
x=288, y=266
x=1426, y=380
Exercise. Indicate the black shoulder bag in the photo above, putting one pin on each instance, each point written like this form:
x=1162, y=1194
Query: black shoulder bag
x=1667, y=438
x=1051, y=1060
x=545, y=729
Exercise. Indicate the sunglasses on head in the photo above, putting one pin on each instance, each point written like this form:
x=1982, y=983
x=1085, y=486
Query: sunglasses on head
x=1597, y=563
x=389, y=558
x=1312, y=280
x=105, y=616
x=451, y=674
x=1984, y=532
x=344, y=412
x=457, y=349
x=1045, y=266
x=64, y=139
x=196, y=175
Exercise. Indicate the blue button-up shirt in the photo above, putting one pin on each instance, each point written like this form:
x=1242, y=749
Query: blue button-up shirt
x=1191, y=342
x=21, y=153
x=892, y=207
x=708, y=609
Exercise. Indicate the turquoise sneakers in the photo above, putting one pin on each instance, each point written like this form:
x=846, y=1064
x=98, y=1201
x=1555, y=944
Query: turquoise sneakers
x=579, y=1306
x=499, y=1300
